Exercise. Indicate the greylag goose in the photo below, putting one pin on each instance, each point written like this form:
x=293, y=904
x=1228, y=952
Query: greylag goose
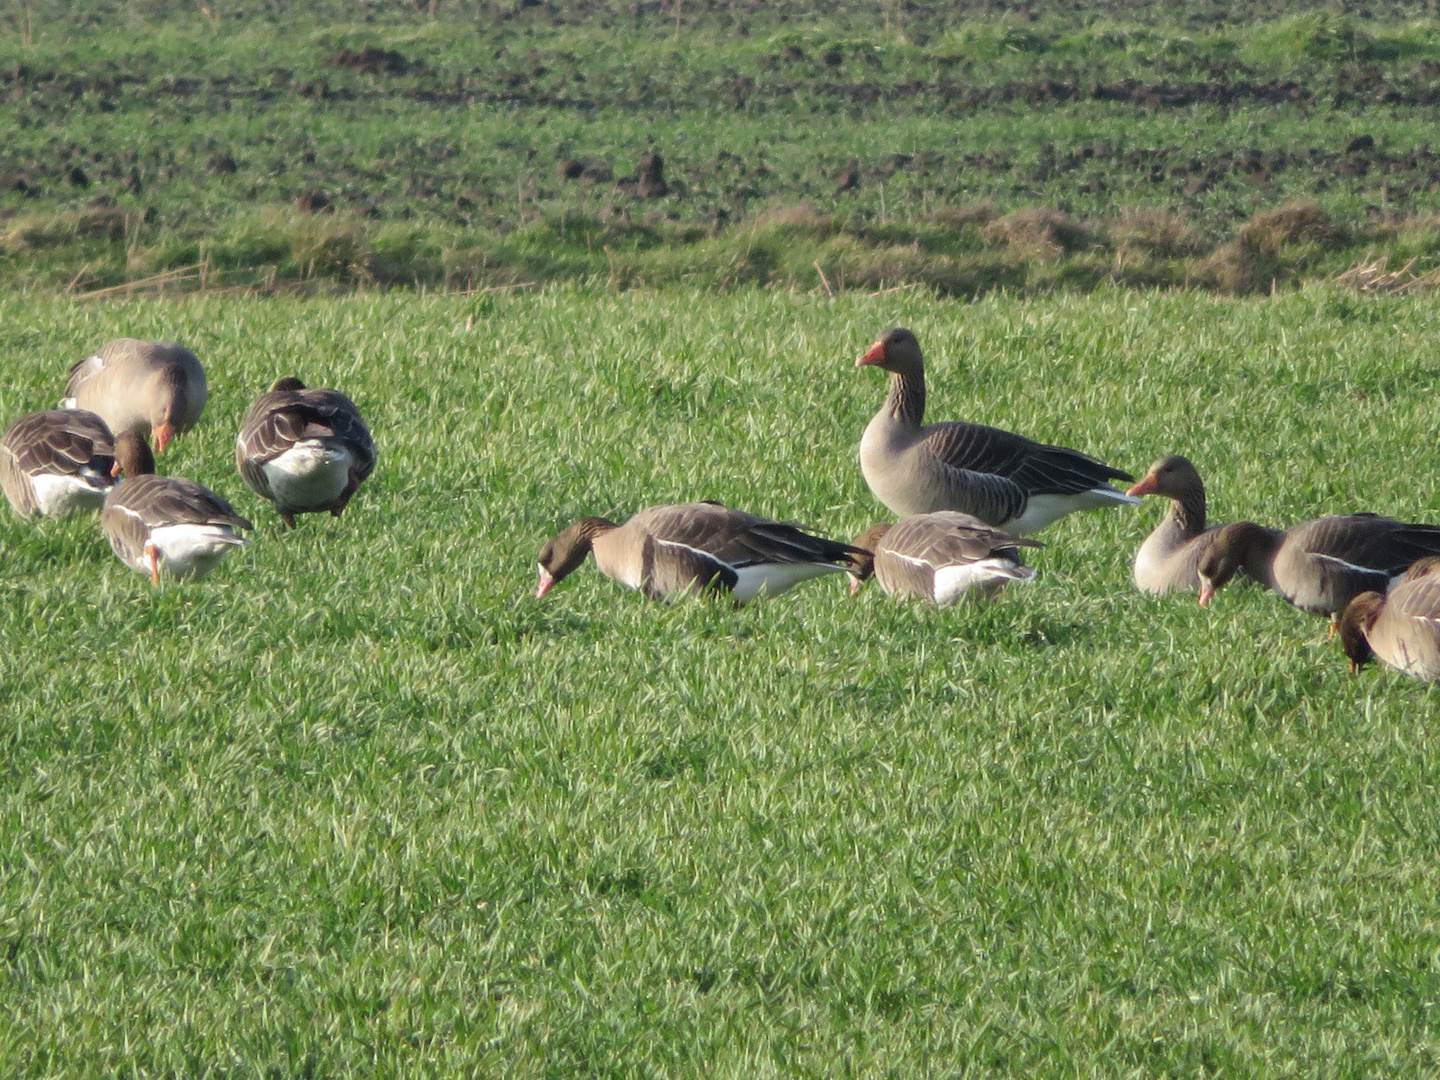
x=941, y=557
x=1402, y=629
x=1169, y=559
x=306, y=451
x=1005, y=480
x=56, y=462
x=167, y=523
x=154, y=387
x=668, y=551
x=1321, y=565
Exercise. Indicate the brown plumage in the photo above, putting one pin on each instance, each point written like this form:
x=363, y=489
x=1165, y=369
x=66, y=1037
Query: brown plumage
x=305, y=451
x=1321, y=565
x=670, y=551
x=1401, y=628
x=943, y=558
x=1004, y=479
x=156, y=388
x=1169, y=559
x=167, y=523
x=56, y=462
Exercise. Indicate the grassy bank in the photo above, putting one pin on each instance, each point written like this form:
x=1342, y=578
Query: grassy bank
x=314, y=147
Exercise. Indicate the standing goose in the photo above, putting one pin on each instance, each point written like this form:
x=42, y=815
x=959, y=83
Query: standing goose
x=941, y=557
x=306, y=451
x=1402, y=629
x=669, y=551
x=1169, y=559
x=165, y=523
x=156, y=388
x=1005, y=480
x=1321, y=565
x=56, y=462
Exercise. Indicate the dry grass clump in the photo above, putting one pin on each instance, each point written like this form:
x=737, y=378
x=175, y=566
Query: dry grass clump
x=1375, y=276
x=1158, y=234
x=978, y=214
x=1038, y=233
x=1273, y=246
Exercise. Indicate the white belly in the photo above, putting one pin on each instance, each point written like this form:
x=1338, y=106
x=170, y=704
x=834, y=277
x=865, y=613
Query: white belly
x=311, y=474
x=57, y=496
x=985, y=576
x=191, y=551
x=1043, y=510
x=774, y=578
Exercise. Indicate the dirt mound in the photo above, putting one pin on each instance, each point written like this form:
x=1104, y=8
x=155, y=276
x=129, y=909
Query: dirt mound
x=222, y=164
x=312, y=202
x=649, y=179
x=372, y=60
x=1294, y=223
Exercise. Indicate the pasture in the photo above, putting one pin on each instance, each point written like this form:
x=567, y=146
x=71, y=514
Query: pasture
x=358, y=805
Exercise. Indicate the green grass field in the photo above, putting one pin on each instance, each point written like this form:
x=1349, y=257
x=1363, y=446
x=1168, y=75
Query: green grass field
x=316, y=145
x=358, y=805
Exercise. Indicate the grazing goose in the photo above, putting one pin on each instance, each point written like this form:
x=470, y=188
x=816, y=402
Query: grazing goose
x=165, y=523
x=669, y=551
x=1321, y=565
x=1169, y=559
x=306, y=451
x=156, y=388
x=56, y=462
x=1402, y=629
x=1003, y=479
x=941, y=557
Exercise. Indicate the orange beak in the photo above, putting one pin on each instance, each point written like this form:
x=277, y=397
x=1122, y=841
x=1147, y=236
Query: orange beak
x=115, y=469
x=163, y=434
x=876, y=355
x=1207, y=592
x=856, y=584
x=1146, y=486
x=546, y=583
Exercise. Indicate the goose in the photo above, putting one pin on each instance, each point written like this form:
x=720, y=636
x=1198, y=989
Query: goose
x=306, y=451
x=167, y=523
x=669, y=551
x=156, y=388
x=1321, y=565
x=942, y=557
x=1169, y=559
x=1004, y=479
x=56, y=462
x=1402, y=628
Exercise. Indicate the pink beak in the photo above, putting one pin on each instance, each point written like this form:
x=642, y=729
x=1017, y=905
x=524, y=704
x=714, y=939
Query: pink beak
x=856, y=584
x=163, y=434
x=1207, y=592
x=546, y=583
x=876, y=355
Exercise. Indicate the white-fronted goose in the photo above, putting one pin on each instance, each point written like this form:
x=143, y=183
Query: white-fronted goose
x=1169, y=559
x=56, y=462
x=306, y=451
x=1402, y=629
x=1321, y=565
x=167, y=523
x=1005, y=480
x=154, y=387
x=941, y=557
x=669, y=551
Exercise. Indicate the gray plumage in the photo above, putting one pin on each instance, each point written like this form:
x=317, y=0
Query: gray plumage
x=1004, y=479
x=943, y=557
x=1402, y=628
x=154, y=388
x=306, y=451
x=56, y=462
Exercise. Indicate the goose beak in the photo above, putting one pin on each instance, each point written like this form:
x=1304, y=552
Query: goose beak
x=163, y=434
x=856, y=584
x=1354, y=668
x=876, y=355
x=1146, y=486
x=546, y=583
x=1207, y=592
x=115, y=469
